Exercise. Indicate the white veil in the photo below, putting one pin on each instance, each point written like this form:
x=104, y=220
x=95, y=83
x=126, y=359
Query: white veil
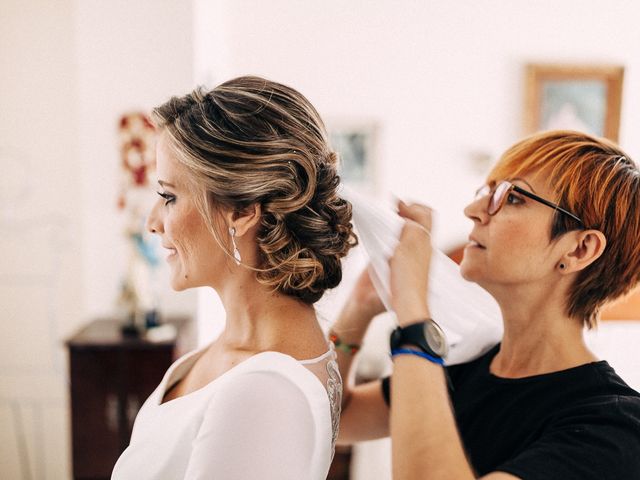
x=469, y=316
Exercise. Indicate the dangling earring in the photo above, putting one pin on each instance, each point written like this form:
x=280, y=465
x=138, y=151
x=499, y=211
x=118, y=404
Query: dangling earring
x=236, y=252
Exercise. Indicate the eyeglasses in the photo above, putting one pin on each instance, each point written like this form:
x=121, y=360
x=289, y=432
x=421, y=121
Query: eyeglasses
x=500, y=193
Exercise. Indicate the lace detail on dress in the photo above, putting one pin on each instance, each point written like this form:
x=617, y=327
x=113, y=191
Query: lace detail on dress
x=325, y=367
x=334, y=390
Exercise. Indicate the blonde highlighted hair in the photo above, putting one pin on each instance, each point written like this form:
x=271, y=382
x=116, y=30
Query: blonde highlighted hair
x=594, y=179
x=251, y=140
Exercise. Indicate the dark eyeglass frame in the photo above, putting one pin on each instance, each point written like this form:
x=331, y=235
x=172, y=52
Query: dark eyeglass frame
x=504, y=193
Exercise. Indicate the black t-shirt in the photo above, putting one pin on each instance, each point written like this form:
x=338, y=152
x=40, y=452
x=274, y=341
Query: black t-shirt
x=582, y=423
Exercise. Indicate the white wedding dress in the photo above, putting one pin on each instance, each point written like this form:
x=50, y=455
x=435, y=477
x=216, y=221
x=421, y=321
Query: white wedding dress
x=269, y=417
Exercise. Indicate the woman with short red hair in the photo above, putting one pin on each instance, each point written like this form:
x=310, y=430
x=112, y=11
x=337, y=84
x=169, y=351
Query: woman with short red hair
x=556, y=235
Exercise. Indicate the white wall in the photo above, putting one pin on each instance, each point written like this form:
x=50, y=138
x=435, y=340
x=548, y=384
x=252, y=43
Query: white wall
x=41, y=289
x=131, y=55
x=69, y=68
x=443, y=79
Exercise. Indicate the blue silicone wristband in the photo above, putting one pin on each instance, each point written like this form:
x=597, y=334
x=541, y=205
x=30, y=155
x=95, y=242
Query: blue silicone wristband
x=407, y=351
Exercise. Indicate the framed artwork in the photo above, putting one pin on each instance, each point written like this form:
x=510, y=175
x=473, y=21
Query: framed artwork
x=355, y=143
x=574, y=97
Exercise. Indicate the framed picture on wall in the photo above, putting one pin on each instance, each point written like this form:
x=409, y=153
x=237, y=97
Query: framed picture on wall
x=574, y=97
x=355, y=143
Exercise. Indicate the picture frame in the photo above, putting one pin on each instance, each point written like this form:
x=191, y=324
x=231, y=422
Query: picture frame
x=355, y=142
x=586, y=98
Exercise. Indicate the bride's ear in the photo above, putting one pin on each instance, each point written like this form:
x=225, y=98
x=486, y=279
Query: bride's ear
x=244, y=220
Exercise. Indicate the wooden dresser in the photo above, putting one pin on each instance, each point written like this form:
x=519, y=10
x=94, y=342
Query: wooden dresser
x=111, y=377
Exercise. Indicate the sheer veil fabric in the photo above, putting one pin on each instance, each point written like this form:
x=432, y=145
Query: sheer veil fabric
x=469, y=316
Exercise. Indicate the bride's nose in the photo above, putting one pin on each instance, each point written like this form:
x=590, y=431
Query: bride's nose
x=153, y=223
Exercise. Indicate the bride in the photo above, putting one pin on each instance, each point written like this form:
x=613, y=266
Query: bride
x=248, y=206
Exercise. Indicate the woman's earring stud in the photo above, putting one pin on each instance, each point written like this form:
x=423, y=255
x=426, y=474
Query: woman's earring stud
x=562, y=266
x=236, y=252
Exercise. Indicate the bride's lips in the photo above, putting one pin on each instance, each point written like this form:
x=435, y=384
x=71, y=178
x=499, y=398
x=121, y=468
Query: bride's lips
x=171, y=252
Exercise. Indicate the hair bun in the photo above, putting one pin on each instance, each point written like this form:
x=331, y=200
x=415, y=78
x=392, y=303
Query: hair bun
x=303, y=249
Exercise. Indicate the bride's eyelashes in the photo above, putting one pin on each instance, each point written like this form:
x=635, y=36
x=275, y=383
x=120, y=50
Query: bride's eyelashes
x=168, y=198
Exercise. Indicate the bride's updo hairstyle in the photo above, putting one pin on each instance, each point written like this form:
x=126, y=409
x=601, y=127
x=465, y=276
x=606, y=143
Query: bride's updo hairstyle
x=248, y=141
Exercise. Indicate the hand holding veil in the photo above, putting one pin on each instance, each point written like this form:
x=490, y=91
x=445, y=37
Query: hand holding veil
x=469, y=316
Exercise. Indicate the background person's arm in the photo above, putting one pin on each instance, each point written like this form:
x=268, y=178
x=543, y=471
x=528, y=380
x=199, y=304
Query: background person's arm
x=365, y=415
x=361, y=307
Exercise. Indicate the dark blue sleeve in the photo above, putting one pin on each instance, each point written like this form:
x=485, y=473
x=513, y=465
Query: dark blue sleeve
x=386, y=385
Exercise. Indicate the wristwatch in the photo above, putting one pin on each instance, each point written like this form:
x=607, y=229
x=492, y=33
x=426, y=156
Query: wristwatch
x=425, y=334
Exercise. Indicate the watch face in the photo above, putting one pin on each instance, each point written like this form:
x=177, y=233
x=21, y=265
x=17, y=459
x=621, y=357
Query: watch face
x=436, y=338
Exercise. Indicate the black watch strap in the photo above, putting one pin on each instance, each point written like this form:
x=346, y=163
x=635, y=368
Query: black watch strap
x=411, y=335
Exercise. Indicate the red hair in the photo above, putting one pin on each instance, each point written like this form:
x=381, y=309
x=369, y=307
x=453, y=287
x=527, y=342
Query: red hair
x=599, y=183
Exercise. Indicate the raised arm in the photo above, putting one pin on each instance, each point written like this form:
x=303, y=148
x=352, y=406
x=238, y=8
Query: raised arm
x=424, y=437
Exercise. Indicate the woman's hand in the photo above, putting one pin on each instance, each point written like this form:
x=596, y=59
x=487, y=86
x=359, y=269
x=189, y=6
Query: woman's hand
x=410, y=265
x=364, y=296
x=362, y=306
